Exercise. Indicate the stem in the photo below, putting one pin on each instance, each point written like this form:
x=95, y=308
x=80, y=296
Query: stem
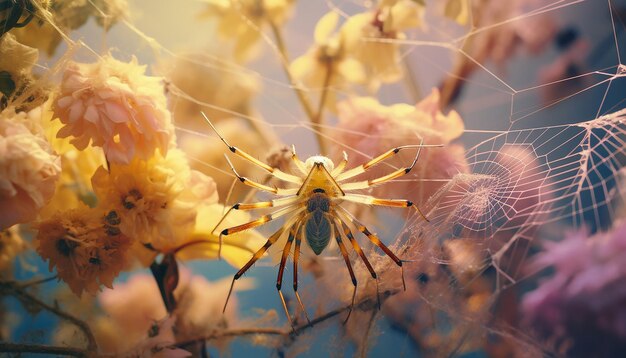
x=364, y=305
x=22, y=295
x=302, y=97
x=37, y=282
x=317, y=120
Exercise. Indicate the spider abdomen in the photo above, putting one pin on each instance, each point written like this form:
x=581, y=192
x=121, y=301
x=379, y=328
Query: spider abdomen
x=317, y=226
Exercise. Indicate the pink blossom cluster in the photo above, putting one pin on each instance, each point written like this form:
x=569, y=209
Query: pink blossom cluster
x=582, y=305
x=114, y=105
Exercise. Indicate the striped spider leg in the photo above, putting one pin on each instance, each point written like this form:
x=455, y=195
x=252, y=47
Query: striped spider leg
x=314, y=212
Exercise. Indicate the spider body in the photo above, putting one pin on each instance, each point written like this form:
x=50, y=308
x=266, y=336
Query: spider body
x=312, y=204
x=317, y=222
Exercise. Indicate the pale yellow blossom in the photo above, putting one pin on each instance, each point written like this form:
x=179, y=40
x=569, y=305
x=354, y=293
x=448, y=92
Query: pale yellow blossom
x=327, y=63
x=369, y=38
x=243, y=20
x=151, y=197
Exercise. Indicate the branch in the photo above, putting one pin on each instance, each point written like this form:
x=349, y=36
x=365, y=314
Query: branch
x=366, y=304
x=26, y=297
x=6, y=347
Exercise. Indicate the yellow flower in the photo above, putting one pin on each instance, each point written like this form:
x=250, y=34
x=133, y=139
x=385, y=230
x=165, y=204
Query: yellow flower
x=74, y=185
x=86, y=247
x=369, y=38
x=242, y=20
x=327, y=64
x=156, y=199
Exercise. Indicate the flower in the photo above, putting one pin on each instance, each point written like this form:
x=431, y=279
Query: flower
x=29, y=170
x=86, y=247
x=134, y=308
x=368, y=129
x=116, y=107
x=242, y=20
x=156, y=199
x=369, y=38
x=581, y=306
x=327, y=63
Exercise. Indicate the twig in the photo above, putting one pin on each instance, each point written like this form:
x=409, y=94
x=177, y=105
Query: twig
x=319, y=116
x=280, y=43
x=366, y=304
x=37, y=281
x=21, y=294
x=7, y=347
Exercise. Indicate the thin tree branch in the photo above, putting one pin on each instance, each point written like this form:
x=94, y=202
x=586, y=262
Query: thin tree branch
x=367, y=304
x=26, y=297
x=282, y=48
x=7, y=347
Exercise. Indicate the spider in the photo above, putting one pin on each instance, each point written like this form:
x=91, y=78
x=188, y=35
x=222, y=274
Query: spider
x=313, y=204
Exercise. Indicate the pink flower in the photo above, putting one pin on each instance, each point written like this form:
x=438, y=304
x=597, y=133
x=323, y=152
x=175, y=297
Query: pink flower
x=366, y=129
x=134, y=307
x=583, y=304
x=29, y=170
x=116, y=107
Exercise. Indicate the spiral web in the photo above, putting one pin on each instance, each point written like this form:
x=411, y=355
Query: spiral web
x=543, y=157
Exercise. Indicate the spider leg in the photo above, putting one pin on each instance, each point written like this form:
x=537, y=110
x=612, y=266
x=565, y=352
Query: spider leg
x=296, y=256
x=348, y=233
x=283, y=261
x=250, y=206
x=299, y=164
x=262, y=220
x=370, y=200
x=344, y=253
x=375, y=240
x=341, y=166
x=256, y=185
x=274, y=171
x=363, y=184
x=388, y=154
x=257, y=255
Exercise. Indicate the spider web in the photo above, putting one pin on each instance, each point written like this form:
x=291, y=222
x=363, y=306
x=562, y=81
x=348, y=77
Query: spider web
x=545, y=154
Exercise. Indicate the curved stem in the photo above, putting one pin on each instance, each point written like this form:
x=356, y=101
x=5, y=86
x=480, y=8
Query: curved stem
x=26, y=297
